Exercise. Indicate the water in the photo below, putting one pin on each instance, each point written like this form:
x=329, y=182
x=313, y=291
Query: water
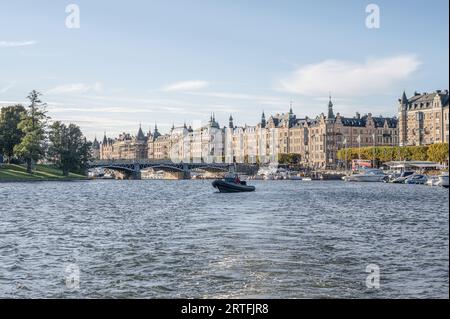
x=172, y=239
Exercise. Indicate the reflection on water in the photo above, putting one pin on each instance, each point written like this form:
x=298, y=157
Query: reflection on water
x=289, y=239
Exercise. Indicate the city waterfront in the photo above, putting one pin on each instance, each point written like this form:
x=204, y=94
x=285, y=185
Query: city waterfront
x=175, y=239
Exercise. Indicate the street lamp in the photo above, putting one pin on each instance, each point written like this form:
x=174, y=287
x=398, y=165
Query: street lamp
x=373, y=140
x=345, y=149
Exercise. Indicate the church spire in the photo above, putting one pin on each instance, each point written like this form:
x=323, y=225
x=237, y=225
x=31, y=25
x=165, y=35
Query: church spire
x=330, y=108
x=230, y=123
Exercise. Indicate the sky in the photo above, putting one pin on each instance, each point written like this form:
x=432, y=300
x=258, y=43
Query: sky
x=175, y=61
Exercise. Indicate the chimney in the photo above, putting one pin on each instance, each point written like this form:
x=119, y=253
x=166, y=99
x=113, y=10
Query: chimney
x=358, y=116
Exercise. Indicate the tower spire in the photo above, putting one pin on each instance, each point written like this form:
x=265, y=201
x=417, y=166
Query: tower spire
x=140, y=135
x=263, y=119
x=404, y=98
x=330, y=108
x=230, y=123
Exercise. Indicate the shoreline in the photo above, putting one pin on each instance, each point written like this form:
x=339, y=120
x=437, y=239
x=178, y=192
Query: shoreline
x=42, y=180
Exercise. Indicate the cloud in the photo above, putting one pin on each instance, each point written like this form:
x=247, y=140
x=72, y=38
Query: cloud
x=75, y=88
x=12, y=44
x=186, y=86
x=260, y=99
x=347, y=78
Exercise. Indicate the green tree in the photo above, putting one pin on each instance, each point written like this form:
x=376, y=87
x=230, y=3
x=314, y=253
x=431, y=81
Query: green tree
x=419, y=153
x=68, y=148
x=290, y=159
x=438, y=152
x=33, y=123
x=389, y=153
x=10, y=134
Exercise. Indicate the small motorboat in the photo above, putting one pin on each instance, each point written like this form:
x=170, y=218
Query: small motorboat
x=400, y=179
x=416, y=179
x=232, y=184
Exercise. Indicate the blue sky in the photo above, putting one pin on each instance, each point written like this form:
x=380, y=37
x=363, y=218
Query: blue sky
x=134, y=62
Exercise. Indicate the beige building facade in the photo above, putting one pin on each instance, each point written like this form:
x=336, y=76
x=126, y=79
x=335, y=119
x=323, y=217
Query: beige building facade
x=423, y=118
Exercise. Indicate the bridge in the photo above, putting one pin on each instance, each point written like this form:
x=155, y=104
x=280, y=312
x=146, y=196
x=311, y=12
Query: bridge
x=133, y=168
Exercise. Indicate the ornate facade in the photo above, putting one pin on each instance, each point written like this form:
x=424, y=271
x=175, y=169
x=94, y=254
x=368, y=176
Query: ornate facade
x=424, y=118
x=328, y=134
x=125, y=147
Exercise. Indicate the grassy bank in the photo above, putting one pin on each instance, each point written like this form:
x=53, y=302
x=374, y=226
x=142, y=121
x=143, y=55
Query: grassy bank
x=11, y=172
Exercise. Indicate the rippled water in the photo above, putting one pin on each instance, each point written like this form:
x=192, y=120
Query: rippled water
x=166, y=239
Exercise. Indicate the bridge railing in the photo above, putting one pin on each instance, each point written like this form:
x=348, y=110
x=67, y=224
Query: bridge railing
x=153, y=163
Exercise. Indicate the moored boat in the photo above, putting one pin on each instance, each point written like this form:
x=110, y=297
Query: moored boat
x=416, y=179
x=433, y=181
x=400, y=179
x=443, y=180
x=370, y=175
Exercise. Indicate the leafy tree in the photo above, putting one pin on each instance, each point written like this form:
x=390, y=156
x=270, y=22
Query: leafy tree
x=290, y=159
x=33, y=123
x=10, y=134
x=68, y=148
x=389, y=153
x=419, y=153
x=438, y=152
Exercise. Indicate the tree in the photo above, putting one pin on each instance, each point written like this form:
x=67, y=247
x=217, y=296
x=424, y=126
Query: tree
x=438, y=152
x=10, y=134
x=68, y=148
x=289, y=159
x=33, y=123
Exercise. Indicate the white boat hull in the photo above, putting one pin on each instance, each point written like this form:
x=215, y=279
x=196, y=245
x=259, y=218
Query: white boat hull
x=443, y=181
x=364, y=178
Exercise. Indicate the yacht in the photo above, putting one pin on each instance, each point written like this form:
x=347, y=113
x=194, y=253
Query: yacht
x=370, y=175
